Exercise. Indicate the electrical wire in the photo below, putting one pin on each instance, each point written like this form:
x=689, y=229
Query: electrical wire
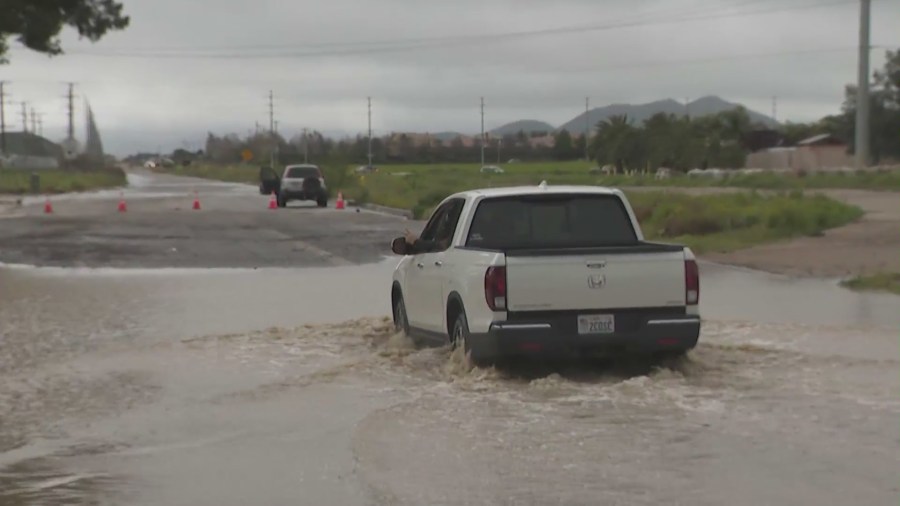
x=395, y=45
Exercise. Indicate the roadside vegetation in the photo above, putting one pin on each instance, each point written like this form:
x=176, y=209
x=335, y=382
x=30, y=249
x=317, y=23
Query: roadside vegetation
x=722, y=222
x=409, y=177
x=881, y=282
x=18, y=182
x=707, y=223
x=728, y=222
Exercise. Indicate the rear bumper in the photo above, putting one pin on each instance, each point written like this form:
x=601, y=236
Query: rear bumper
x=302, y=195
x=651, y=334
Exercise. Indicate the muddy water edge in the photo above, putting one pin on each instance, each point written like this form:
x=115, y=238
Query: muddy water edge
x=176, y=387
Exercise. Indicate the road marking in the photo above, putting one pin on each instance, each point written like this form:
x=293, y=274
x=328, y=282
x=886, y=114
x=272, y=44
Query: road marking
x=319, y=252
x=329, y=257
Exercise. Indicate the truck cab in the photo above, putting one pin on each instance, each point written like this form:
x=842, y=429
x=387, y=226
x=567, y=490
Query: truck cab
x=545, y=270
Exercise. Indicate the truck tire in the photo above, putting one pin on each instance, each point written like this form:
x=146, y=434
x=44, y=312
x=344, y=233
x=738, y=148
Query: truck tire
x=281, y=201
x=322, y=202
x=461, y=337
x=401, y=322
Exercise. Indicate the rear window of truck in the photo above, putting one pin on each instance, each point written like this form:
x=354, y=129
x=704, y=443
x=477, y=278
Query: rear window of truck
x=551, y=221
x=302, y=172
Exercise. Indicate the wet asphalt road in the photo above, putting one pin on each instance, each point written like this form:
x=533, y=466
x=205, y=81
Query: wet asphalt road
x=284, y=385
x=233, y=228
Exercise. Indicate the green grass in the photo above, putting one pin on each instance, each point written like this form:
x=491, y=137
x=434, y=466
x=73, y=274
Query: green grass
x=881, y=282
x=882, y=181
x=706, y=223
x=576, y=172
x=721, y=223
x=18, y=182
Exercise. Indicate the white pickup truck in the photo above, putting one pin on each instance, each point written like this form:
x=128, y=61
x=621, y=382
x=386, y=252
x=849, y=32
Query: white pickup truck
x=545, y=270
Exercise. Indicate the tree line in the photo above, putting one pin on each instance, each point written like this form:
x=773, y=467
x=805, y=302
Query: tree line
x=678, y=142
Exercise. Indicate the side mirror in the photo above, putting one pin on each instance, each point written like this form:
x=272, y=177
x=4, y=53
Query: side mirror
x=399, y=246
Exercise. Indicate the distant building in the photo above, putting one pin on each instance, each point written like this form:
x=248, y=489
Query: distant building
x=819, y=153
x=763, y=138
x=25, y=150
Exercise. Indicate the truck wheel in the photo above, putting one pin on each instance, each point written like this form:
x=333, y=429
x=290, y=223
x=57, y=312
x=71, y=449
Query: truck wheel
x=461, y=337
x=322, y=202
x=281, y=201
x=401, y=323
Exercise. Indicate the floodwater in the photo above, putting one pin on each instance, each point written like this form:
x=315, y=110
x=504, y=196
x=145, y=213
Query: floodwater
x=287, y=386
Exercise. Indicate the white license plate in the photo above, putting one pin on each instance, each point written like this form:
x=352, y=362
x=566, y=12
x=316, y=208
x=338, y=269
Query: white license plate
x=596, y=324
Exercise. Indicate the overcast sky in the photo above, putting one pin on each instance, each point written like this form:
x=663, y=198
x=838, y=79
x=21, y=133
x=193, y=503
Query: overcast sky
x=185, y=67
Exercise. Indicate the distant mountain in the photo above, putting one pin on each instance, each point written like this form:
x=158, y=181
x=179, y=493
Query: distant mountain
x=704, y=106
x=526, y=125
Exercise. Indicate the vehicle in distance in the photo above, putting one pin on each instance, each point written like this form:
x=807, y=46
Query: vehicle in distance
x=545, y=270
x=297, y=182
x=491, y=169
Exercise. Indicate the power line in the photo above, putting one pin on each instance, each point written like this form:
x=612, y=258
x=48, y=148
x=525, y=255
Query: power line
x=70, y=100
x=370, y=132
x=862, y=87
x=2, y=118
x=482, y=132
x=712, y=59
x=666, y=14
x=587, y=127
x=25, y=117
x=393, y=45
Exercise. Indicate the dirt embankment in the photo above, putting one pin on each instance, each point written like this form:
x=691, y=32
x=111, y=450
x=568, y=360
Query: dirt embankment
x=870, y=245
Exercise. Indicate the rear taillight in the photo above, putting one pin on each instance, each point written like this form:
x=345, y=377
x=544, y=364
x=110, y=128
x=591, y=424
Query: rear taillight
x=691, y=282
x=495, y=288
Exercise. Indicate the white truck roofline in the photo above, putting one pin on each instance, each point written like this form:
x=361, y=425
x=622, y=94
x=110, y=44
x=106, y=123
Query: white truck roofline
x=535, y=190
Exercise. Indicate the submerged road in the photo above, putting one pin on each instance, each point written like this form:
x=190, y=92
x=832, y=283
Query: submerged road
x=156, y=380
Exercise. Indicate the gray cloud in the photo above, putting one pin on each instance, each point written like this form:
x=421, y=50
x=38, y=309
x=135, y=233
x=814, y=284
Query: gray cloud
x=150, y=87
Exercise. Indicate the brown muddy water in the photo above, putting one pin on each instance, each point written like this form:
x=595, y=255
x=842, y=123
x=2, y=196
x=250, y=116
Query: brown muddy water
x=287, y=386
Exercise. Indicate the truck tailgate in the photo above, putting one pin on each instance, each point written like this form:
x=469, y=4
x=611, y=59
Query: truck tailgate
x=584, y=282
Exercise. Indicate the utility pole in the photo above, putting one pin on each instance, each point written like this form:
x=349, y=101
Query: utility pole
x=499, y=143
x=272, y=127
x=862, y=87
x=370, y=133
x=2, y=119
x=305, y=146
x=71, y=101
x=775, y=108
x=271, y=113
x=25, y=117
x=482, y=132
x=587, y=128
x=33, y=121
x=40, y=122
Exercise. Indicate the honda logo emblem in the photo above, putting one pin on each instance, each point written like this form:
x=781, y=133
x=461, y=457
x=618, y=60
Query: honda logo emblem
x=596, y=281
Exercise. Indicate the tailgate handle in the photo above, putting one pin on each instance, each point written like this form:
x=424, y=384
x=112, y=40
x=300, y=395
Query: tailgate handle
x=596, y=265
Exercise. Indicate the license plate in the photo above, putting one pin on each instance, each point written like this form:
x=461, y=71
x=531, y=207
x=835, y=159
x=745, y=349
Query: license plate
x=596, y=324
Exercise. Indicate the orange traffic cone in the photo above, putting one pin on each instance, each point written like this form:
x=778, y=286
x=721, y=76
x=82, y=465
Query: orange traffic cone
x=123, y=207
x=273, y=203
x=340, y=201
x=48, y=207
x=196, y=205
